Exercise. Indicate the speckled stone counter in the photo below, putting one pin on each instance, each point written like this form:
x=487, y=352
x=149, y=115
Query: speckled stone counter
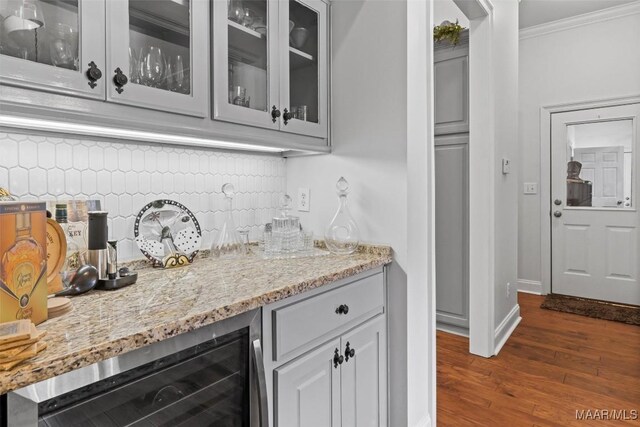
x=165, y=303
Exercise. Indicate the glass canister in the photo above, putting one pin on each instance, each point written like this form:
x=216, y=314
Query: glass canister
x=285, y=229
x=342, y=235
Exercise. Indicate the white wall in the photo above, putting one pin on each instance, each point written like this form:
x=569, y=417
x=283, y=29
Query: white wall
x=447, y=10
x=505, y=69
x=369, y=137
x=586, y=63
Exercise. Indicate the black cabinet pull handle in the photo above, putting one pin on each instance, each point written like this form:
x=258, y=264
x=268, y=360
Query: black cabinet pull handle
x=93, y=74
x=337, y=358
x=275, y=113
x=120, y=79
x=287, y=116
x=349, y=352
x=342, y=309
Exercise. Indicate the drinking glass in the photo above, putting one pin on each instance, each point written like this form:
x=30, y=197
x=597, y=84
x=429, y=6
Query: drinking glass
x=180, y=75
x=152, y=66
x=22, y=25
x=134, y=65
x=63, y=47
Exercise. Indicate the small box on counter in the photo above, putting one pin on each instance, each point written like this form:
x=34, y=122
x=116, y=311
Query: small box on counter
x=23, y=262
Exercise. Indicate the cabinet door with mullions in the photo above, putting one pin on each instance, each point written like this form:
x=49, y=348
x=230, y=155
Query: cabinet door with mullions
x=54, y=45
x=245, y=61
x=157, y=54
x=304, y=67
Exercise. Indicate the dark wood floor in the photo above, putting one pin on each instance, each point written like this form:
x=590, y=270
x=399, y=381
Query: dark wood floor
x=553, y=364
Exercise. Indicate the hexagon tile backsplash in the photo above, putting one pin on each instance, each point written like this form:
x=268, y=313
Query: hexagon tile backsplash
x=126, y=176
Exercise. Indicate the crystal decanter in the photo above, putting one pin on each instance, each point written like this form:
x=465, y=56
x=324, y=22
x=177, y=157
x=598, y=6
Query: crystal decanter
x=342, y=235
x=228, y=243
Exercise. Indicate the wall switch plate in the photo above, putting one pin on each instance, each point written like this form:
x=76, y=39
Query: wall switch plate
x=506, y=166
x=303, y=199
x=530, y=188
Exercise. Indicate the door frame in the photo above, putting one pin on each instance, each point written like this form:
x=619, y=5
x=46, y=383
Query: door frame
x=545, y=171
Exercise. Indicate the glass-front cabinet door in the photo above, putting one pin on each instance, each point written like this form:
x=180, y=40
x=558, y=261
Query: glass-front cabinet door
x=53, y=45
x=245, y=58
x=303, y=87
x=157, y=54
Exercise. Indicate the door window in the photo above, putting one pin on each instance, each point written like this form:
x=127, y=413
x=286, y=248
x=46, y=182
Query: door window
x=600, y=164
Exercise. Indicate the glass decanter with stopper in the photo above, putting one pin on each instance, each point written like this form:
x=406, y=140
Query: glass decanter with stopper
x=285, y=229
x=228, y=243
x=342, y=235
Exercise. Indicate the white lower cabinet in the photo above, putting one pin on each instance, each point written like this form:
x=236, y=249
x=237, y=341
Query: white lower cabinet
x=337, y=376
x=308, y=390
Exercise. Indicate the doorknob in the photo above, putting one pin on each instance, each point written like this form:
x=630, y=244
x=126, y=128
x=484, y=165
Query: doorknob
x=557, y=202
x=557, y=214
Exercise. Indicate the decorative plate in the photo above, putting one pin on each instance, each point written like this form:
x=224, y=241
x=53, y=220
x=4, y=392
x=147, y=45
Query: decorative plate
x=167, y=233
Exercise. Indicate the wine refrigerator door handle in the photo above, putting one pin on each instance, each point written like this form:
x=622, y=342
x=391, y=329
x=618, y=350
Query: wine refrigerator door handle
x=258, y=363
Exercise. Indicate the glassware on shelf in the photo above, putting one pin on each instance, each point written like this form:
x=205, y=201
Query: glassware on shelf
x=63, y=46
x=21, y=26
x=228, y=242
x=152, y=66
x=249, y=17
x=134, y=65
x=181, y=82
x=342, y=235
x=236, y=11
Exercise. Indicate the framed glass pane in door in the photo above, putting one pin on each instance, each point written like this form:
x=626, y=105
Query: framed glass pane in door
x=50, y=44
x=244, y=52
x=304, y=84
x=156, y=61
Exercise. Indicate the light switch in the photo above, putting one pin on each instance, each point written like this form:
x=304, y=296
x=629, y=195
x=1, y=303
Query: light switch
x=530, y=188
x=303, y=199
x=506, y=166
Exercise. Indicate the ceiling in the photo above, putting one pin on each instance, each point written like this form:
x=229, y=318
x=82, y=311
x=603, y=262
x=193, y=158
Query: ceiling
x=536, y=12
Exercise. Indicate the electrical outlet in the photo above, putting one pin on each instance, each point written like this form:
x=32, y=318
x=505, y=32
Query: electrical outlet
x=506, y=166
x=304, y=200
x=508, y=290
x=530, y=188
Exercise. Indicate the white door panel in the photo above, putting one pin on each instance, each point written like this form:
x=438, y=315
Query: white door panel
x=595, y=245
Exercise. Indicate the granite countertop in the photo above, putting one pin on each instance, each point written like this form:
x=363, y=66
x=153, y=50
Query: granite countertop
x=165, y=303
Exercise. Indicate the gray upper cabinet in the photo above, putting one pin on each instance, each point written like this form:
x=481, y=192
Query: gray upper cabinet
x=452, y=89
x=156, y=54
x=270, y=64
x=49, y=45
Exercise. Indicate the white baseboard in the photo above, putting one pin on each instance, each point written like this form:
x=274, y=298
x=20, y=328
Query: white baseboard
x=506, y=328
x=451, y=329
x=530, y=286
x=425, y=422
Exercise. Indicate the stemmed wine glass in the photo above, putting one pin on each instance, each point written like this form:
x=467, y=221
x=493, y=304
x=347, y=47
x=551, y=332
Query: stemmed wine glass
x=22, y=25
x=152, y=66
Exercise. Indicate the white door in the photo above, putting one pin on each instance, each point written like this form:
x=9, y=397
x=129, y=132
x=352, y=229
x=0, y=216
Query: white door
x=308, y=390
x=364, y=376
x=594, y=224
x=604, y=167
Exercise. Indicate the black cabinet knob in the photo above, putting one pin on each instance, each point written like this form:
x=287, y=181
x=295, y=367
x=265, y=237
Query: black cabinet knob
x=342, y=309
x=275, y=113
x=287, y=115
x=120, y=79
x=93, y=74
x=349, y=352
x=337, y=358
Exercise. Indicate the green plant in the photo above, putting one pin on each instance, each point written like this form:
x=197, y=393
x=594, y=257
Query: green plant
x=448, y=31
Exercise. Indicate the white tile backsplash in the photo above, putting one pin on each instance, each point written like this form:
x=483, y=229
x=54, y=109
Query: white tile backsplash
x=126, y=176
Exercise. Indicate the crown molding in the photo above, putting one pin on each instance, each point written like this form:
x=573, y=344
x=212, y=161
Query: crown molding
x=581, y=20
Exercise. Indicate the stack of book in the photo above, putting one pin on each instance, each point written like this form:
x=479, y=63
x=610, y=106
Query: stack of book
x=19, y=341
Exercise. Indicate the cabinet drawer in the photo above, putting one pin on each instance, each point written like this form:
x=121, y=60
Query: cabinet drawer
x=310, y=320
